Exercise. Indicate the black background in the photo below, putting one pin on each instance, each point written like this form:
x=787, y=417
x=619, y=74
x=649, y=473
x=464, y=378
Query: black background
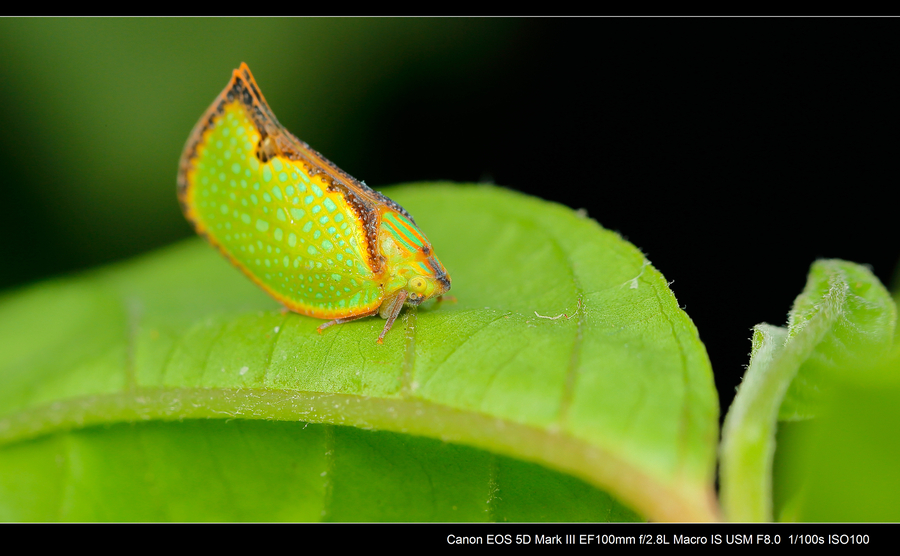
x=732, y=152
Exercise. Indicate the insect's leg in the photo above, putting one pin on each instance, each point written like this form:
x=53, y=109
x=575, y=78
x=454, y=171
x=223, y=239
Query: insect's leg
x=390, y=313
x=345, y=319
x=447, y=298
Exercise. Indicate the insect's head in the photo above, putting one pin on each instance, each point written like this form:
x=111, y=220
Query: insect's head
x=433, y=282
x=411, y=259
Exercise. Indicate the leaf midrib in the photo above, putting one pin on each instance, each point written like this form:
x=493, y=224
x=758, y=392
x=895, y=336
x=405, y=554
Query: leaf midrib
x=647, y=494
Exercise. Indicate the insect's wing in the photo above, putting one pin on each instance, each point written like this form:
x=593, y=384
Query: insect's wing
x=287, y=217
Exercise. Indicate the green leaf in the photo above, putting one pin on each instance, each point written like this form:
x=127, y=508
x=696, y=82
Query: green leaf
x=564, y=350
x=844, y=317
x=863, y=327
x=842, y=466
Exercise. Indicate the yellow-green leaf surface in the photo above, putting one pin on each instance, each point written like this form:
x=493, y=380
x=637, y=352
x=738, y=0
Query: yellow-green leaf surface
x=842, y=465
x=843, y=321
x=170, y=387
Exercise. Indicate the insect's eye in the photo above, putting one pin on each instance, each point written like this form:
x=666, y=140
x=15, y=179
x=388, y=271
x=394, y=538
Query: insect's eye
x=418, y=284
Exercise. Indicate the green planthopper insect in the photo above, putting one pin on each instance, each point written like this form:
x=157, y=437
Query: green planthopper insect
x=310, y=235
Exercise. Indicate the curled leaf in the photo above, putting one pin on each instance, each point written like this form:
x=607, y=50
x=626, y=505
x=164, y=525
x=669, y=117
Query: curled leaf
x=844, y=316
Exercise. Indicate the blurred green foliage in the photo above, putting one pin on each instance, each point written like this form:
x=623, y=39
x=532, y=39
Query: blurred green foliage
x=96, y=112
x=843, y=466
x=812, y=433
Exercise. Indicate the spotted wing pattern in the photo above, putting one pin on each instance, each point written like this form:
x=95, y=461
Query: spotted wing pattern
x=298, y=226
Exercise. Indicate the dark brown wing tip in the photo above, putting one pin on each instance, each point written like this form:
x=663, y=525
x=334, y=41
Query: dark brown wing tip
x=245, y=77
x=242, y=74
